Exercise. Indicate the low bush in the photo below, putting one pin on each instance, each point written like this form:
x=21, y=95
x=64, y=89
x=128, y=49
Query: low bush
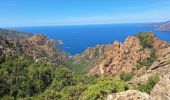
x=72, y=92
x=126, y=76
x=151, y=82
x=148, y=62
x=7, y=97
x=21, y=78
x=145, y=40
x=78, y=67
x=102, y=87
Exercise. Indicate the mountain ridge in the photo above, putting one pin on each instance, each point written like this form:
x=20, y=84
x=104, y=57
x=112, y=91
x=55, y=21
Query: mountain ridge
x=37, y=46
x=161, y=26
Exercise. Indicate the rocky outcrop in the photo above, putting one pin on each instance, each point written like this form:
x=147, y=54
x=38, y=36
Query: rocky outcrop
x=90, y=55
x=9, y=47
x=41, y=48
x=129, y=95
x=37, y=47
x=120, y=57
x=161, y=90
x=160, y=67
x=115, y=58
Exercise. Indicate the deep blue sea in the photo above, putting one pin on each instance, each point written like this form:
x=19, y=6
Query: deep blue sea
x=78, y=37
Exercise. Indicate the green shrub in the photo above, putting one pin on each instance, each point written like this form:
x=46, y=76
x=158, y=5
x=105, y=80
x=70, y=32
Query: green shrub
x=72, y=92
x=79, y=67
x=125, y=76
x=148, y=62
x=24, y=77
x=40, y=73
x=145, y=40
x=49, y=94
x=151, y=82
x=2, y=58
x=4, y=87
x=61, y=78
x=169, y=61
x=8, y=98
x=84, y=79
x=102, y=87
x=65, y=76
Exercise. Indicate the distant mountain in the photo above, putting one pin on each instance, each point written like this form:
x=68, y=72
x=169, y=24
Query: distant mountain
x=162, y=26
x=165, y=26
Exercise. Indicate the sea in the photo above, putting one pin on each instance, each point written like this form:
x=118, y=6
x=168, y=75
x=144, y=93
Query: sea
x=79, y=37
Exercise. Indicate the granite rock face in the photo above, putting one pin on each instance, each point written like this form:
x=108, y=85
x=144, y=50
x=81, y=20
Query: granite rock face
x=115, y=58
x=41, y=48
x=120, y=57
x=161, y=90
x=38, y=47
x=160, y=67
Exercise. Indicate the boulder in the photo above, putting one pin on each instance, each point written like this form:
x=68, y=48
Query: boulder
x=161, y=90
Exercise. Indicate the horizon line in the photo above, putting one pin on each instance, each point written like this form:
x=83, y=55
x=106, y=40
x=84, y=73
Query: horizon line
x=1, y=26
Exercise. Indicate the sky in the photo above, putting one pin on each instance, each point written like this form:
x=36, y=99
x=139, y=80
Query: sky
x=66, y=12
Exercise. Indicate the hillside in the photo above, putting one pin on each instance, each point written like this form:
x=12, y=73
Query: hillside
x=35, y=68
x=114, y=58
x=37, y=47
x=13, y=34
x=137, y=59
x=162, y=26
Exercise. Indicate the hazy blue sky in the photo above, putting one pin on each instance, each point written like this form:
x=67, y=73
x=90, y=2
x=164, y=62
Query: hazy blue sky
x=45, y=12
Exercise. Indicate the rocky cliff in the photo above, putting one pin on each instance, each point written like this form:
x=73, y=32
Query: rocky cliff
x=118, y=57
x=37, y=47
x=136, y=58
x=41, y=48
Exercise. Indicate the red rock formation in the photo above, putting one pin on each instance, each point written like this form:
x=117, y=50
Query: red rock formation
x=120, y=57
x=38, y=47
x=41, y=48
